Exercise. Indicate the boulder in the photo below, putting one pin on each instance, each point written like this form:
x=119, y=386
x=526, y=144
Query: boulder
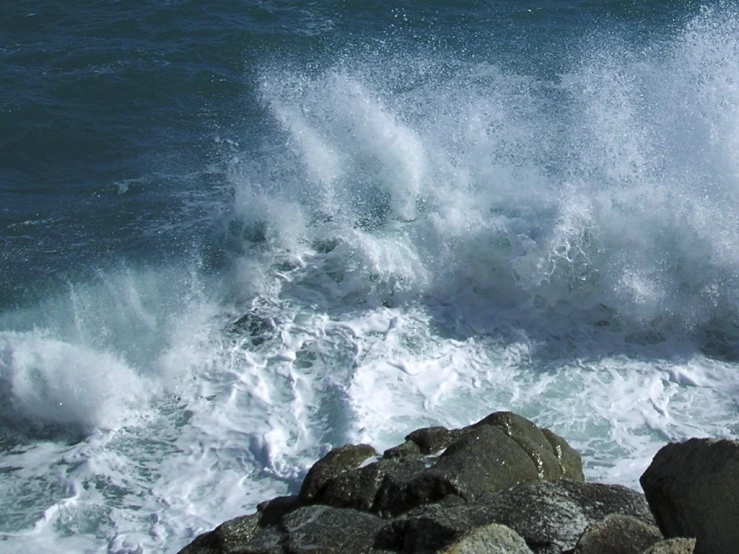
x=489, y=539
x=553, y=457
x=427, y=441
x=272, y=511
x=239, y=531
x=618, y=534
x=328, y=530
x=432, y=440
x=408, y=448
x=497, y=453
x=692, y=489
x=367, y=488
x=225, y=537
x=549, y=515
x=440, y=485
x=672, y=546
x=312, y=529
x=333, y=464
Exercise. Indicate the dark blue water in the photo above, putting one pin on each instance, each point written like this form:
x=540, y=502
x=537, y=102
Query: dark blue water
x=230, y=230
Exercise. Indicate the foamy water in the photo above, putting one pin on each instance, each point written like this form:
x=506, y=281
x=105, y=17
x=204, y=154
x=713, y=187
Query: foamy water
x=413, y=247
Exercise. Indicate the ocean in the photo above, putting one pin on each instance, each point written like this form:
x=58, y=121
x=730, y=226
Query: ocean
x=236, y=234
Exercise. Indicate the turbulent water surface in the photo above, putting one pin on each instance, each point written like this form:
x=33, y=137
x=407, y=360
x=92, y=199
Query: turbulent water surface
x=234, y=235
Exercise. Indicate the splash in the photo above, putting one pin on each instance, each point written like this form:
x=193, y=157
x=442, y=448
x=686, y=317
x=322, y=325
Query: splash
x=608, y=188
x=47, y=382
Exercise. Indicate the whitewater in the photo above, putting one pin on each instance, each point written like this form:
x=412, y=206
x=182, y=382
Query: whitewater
x=418, y=239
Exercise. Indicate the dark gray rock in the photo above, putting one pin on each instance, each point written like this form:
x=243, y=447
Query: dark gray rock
x=432, y=440
x=550, y=516
x=553, y=457
x=326, y=529
x=672, y=546
x=427, y=441
x=618, y=534
x=270, y=540
x=404, y=490
x=239, y=531
x=484, y=459
x=692, y=489
x=444, y=481
x=408, y=448
x=497, y=453
x=333, y=464
x=272, y=511
x=226, y=536
x=361, y=489
x=313, y=529
x=489, y=539
x=569, y=459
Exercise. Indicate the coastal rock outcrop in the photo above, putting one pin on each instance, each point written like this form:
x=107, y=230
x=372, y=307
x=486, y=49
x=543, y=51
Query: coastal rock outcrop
x=692, y=490
x=317, y=529
x=225, y=537
x=497, y=453
x=618, y=534
x=549, y=515
x=499, y=485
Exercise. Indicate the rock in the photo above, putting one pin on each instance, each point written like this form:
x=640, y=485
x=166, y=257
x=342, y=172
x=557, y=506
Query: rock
x=312, y=529
x=553, y=457
x=618, y=534
x=361, y=489
x=484, y=459
x=333, y=464
x=428, y=441
x=441, y=487
x=328, y=530
x=672, y=546
x=569, y=459
x=497, y=453
x=408, y=448
x=692, y=489
x=225, y=537
x=489, y=539
x=432, y=440
x=549, y=515
x=272, y=511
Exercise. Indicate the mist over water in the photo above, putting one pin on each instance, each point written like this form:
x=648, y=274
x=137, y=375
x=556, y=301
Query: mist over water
x=416, y=237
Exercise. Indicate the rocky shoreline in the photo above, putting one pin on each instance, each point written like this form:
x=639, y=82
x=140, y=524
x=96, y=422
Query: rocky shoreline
x=501, y=485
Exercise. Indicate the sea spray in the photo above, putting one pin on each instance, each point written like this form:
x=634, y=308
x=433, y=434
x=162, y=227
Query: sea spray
x=408, y=236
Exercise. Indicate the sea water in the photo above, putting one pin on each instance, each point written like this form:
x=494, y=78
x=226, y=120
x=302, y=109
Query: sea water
x=234, y=236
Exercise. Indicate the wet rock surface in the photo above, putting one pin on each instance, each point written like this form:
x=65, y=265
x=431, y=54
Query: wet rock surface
x=693, y=490
x=499, y=485
x=618, y=534
x=672, y=546
x=497, y=453
x=549, y=516
x=489, y=539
